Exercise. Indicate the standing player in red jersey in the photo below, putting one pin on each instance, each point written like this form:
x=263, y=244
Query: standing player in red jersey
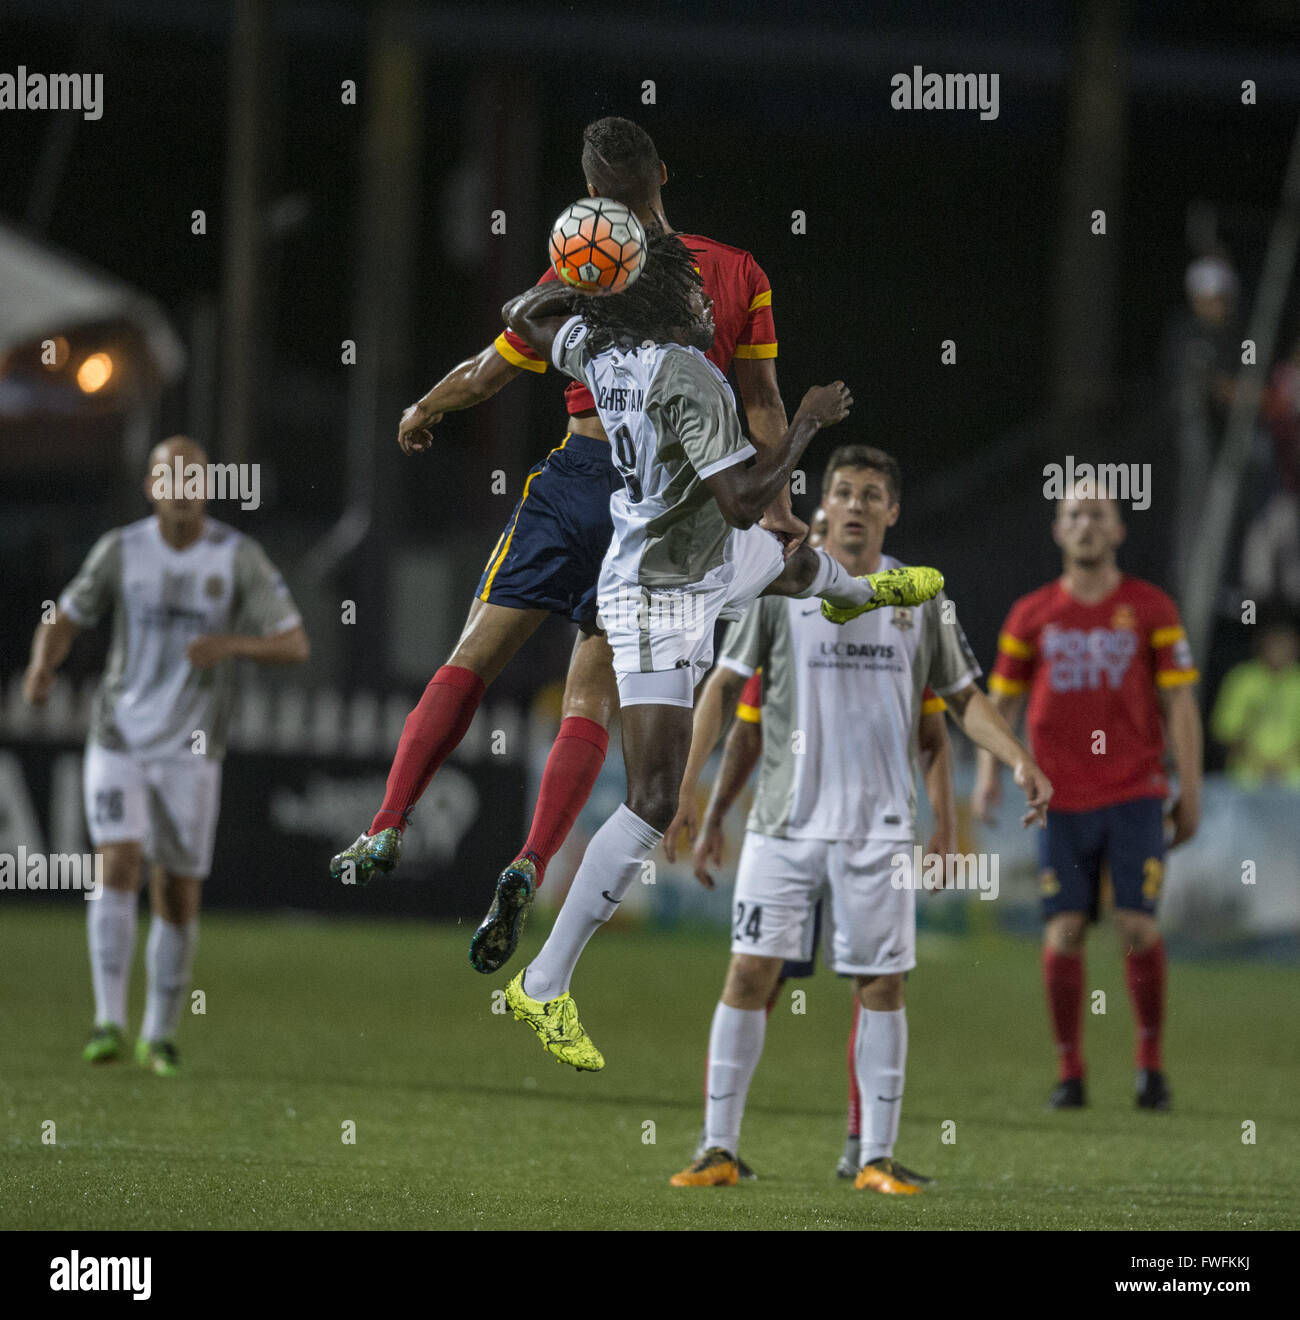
x=547, y=560
x=1101, y=658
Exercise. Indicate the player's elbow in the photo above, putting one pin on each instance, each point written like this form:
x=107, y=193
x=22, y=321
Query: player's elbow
x=297, y=647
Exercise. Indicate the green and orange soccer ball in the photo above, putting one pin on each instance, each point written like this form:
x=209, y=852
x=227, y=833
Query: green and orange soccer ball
x=597, y=246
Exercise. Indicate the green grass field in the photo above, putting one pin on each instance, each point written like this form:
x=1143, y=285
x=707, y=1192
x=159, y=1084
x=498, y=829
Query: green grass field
x=463, y=1122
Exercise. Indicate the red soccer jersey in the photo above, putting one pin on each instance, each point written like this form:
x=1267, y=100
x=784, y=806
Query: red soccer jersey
x=742, y=315
x=1089, y=670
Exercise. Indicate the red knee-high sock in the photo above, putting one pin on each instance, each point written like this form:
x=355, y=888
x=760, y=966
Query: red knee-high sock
x=429, y=736
x=1063, y=978
x=1145, y=974
x=855, y=1096
x=571, y=772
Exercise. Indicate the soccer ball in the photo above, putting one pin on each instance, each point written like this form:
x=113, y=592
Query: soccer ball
x=597, y=246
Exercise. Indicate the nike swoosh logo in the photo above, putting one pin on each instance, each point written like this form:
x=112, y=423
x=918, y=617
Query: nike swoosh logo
x=604, y=893
x=721, y=1097
x=806, y=613
x=889, y=1099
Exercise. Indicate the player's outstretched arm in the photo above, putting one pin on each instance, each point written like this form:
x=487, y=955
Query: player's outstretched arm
x=765, y=416
x=287, y=648
x=537, y=314
x=934, y=749
x=987, y=794
x=468, y=383
x=50, y=646
x=721, y=692
x=743, y=492
x=1183, y=720
x=982, y=723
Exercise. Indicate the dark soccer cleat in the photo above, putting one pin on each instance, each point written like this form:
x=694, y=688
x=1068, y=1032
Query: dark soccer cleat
x=1152, y=1090
x=886, y=1175
x=1068, y=1095
x=367, y=854
x=849, y=1163
x=496, y=940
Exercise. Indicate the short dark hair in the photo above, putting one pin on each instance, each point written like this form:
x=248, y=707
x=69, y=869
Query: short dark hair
x=653, y=308
x=865, y=456
x=620, y=160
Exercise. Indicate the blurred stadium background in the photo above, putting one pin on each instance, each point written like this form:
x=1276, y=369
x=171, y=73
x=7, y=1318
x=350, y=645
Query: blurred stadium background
x=329, y=222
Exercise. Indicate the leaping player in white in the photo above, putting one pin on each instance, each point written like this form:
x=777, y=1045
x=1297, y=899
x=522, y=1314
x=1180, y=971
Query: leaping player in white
x=834, y=808
x=187, y=595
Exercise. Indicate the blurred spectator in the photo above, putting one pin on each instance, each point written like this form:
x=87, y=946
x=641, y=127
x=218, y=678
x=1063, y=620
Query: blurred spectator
x=1257, y=713
x=1202, y=354
x=1271, y=555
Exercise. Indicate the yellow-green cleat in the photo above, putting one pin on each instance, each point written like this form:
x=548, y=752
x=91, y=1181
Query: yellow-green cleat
x=893, y=586
x=368, y=853
x=105, y=1045
x=556, y=1024
x=159, y=1056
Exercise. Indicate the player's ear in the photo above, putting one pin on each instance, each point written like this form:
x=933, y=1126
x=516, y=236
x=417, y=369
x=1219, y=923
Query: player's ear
x=663, y=174
x=895, y=510
x=591, y=190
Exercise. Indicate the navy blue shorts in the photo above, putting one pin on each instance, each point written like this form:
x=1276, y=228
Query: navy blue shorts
x=549, y=556
x=1129, y=836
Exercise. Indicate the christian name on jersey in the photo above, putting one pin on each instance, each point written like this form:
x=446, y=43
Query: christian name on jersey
x=1079, y=658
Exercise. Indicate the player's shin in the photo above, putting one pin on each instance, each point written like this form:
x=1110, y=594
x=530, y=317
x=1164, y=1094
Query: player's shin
x=169, y=960
x=613, y=860
x=880, y=1061
x=735, y=1044
x=572, y=769
x=110, y=933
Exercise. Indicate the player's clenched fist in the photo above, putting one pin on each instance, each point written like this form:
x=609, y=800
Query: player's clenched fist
x=827, y=404
x=412, y=431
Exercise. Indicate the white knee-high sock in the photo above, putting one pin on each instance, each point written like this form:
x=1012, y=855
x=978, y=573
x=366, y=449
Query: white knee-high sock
x=735, y=1044
x=169, y=958
x=110, y=933
x=612, y=861
x=880, y=1062
x=836, y=584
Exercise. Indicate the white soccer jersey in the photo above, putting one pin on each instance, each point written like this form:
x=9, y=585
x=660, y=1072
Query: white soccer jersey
x=842, y=711
x=671, y=421
x=151, y=699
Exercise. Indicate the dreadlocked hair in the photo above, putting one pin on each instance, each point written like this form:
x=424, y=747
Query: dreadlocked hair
x=654, y=308
x=620, y=160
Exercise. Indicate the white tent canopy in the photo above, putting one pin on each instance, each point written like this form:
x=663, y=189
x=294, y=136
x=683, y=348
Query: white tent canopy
x=44, y=293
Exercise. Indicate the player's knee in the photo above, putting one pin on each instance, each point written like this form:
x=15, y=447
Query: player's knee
x=1065, y=932
x=121, y=867
x=655, y=804
x=881, y=994
x=1137, y=930
x=750, y=981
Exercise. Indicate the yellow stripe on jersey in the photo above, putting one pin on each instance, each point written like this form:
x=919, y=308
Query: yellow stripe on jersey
x=1176, y=677
x=932, y=705
x=1010, y=687
x=755, y=351
x=1167, y=636
x=515, y=357
x=1014, y=647
x=503, y=543
x=761, y=300
x=750, y=714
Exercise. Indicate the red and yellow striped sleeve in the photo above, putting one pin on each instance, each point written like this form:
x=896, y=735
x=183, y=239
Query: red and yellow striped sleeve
x=1017, y=655
x=932, y=702
x=1174, y=663
x=518, y=352
x=749, y=707
x=758, y=338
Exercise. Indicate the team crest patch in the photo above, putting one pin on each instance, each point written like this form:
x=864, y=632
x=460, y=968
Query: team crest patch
x=902, y=617
x=1123, y=617
x=214, y=588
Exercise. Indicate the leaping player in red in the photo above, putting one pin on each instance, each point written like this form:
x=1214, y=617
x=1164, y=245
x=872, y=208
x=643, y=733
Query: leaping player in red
x=1101, y=659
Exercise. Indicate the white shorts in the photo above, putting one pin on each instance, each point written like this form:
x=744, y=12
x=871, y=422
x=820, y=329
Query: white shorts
x=662, y=638
x=873, y=923
x=169, y=804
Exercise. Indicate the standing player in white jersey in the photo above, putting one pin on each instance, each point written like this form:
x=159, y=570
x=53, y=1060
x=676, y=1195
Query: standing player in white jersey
x=839, y=814
x=675, y=565
x=187, y=595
